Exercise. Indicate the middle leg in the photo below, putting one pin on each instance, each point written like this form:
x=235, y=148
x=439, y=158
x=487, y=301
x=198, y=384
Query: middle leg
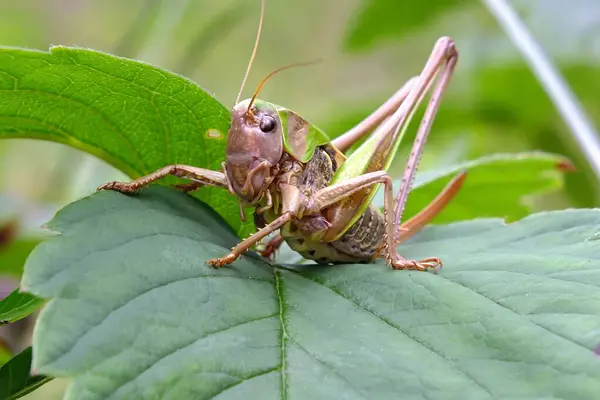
x=408, y=228
x=334, y=193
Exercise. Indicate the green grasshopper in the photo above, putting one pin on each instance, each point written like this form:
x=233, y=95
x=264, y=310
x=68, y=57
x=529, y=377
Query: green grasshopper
x=301, y=183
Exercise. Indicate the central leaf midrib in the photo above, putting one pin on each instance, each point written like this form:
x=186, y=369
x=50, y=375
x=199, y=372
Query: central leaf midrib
x=284, y=335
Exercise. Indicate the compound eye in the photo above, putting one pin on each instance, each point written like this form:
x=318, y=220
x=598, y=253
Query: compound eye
x=267, y=123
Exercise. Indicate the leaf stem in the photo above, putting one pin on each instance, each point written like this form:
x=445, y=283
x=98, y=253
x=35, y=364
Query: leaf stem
x=551, y=80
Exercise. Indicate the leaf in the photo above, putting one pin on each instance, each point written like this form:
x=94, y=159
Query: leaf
x=136, y=117
x=135, y=313
x=500, y=185
x=17, y=306
x=15, y=378
x=378, y=20
x=535, y=118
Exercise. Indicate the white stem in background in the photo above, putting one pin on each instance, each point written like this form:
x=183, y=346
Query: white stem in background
x=551, y=80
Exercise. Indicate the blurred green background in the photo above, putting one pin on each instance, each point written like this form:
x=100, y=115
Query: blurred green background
x=369, y=49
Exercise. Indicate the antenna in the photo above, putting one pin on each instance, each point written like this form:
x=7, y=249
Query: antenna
x=260, y=24
x=266, y=78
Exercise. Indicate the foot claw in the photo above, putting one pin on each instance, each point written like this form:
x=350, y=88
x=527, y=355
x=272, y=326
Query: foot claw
x=269, y=254
x=117, y=186
x=270, y=248
x=423, y=265
x=219, y=262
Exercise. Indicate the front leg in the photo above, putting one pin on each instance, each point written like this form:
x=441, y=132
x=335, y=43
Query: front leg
x=334, y=193
x=272, y=246
x=199, y=176
x=252, y=240
x=291, y=206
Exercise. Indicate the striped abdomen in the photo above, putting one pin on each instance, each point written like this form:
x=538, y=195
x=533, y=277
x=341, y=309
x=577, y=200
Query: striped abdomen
x=360, y=242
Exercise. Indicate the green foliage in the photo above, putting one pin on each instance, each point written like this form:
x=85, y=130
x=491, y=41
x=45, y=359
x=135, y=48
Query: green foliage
x=18, y=305
x=532, y=112
x=15, y=378
x=135, y=312
x=494, y=117
x=500, y=185
x=380, y=20
x=136, y=117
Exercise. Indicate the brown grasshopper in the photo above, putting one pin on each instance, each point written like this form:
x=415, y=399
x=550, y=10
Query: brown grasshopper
x=301, y=183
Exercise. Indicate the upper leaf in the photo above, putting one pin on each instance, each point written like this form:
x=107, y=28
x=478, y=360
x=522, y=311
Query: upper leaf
x=135, y=116
x=500, y=185
x=514, y=313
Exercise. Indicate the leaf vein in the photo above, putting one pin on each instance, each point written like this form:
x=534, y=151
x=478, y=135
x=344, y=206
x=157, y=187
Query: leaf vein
x=65, y=138
x=257, y=375
x=71, y=263
x=191, y=343
x=531, y=275
x=520, y=315
x=97, y=112
x=152, y=91
x=324, y=364
x=167, y=134
x=398, y=329
x=136, y=296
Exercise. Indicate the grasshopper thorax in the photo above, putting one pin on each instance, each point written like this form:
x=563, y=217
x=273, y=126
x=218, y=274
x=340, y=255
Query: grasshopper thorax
x=254, y=148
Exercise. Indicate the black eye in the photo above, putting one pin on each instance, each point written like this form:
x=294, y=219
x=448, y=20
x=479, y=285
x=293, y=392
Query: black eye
x=267, y=124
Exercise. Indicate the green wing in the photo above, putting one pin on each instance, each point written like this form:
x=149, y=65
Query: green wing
x=300, y=137
x=375, y=154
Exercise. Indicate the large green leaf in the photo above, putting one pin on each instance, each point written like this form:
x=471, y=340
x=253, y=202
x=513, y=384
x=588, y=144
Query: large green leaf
x=136, y=117
x=135, y=313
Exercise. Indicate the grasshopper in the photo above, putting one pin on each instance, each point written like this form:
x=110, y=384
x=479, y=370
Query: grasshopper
x=301, y=183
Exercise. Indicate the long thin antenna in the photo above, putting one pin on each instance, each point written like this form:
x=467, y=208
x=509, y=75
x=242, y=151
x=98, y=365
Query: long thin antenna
x=266, y=78
x=260, y=24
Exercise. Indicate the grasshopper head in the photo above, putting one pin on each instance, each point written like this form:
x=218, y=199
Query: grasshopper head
x=254, y=148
